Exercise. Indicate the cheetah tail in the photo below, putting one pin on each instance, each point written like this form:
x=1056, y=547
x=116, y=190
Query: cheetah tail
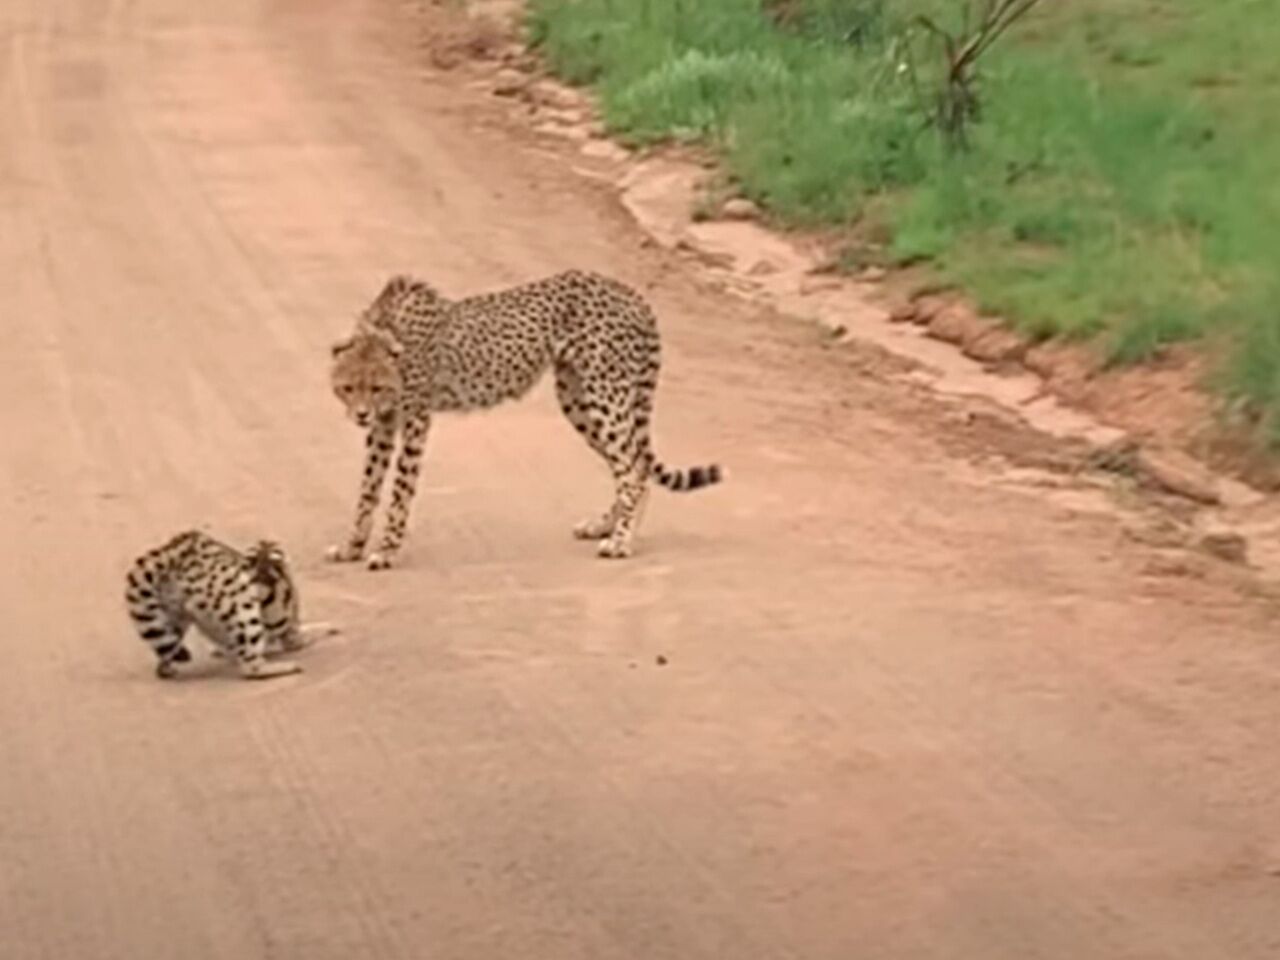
x=683, y=481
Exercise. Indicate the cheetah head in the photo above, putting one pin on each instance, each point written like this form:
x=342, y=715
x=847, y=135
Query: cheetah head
x=365, y=373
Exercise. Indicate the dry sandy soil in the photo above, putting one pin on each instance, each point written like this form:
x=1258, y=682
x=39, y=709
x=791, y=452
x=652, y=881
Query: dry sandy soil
x=875, y=697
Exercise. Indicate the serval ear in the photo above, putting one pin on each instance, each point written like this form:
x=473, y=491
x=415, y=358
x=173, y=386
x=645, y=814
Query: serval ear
x=267, y=559
x=271, y=550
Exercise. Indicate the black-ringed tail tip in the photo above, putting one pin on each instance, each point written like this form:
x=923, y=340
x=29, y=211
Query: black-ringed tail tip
x=685, y=481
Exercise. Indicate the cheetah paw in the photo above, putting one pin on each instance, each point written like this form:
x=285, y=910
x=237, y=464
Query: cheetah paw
x=379, y=561
x=596, y=529
x=614, y=549
x=343, y=553
x=264, y=670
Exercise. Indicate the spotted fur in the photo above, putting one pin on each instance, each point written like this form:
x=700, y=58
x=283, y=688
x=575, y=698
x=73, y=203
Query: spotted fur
x=415, y=353
x=245, y=603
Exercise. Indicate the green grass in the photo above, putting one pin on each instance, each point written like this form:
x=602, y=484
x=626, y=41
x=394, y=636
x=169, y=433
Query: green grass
x=1123, y=184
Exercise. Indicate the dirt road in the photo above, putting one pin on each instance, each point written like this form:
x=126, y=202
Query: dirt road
x=907, y=711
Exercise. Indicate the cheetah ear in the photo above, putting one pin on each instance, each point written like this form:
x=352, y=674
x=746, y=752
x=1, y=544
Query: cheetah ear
x=365, y=328
x=392, y=290
x=342, y=346
x=399, y=283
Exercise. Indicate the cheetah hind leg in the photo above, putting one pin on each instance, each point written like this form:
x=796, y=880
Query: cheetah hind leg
x=623, y=441
x=578, y=412
x=632, y=494
x=630, y=467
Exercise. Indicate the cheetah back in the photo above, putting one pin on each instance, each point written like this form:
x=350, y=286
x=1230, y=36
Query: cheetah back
x=482, y=350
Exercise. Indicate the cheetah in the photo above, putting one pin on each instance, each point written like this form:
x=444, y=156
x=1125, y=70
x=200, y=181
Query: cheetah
x=415, y=353
x=246, y=603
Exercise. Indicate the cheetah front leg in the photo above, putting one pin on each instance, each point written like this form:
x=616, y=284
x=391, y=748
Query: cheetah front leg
x=378, y=446
x=406, y=485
